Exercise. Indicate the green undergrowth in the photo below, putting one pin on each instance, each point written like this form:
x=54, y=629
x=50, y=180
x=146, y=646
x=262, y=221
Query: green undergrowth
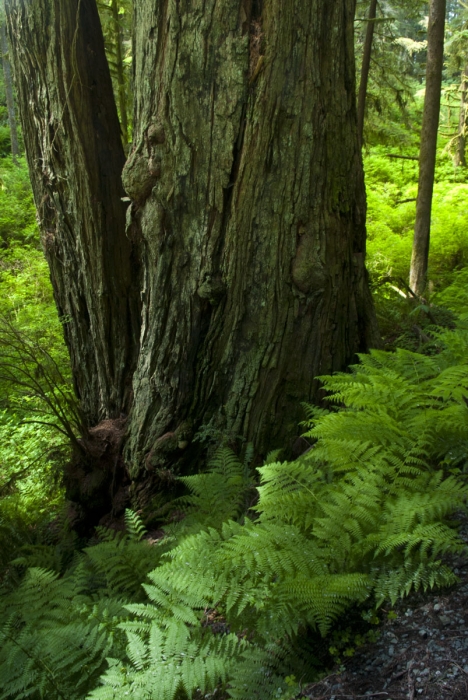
x=391, y=193
x=390, y=222
x=252, y=600
x=17, y=211
x=31, y=352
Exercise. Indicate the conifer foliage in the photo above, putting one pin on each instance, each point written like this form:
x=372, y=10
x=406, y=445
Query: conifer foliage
x=361, y=518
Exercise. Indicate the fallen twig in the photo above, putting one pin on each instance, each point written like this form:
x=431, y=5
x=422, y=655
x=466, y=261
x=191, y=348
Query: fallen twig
x=393, y=155
x=454, y=663
x=411, y=686
x=405, y=201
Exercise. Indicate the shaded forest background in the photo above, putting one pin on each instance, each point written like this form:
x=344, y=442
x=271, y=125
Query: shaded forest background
x=365, y=515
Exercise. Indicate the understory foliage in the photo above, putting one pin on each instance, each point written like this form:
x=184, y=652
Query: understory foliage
x=392, y=190
x=35, y=390
x=391, y=179
x=230, y=596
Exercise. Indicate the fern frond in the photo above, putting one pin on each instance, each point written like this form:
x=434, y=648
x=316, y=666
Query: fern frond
x=134, y=525
x=218, y=494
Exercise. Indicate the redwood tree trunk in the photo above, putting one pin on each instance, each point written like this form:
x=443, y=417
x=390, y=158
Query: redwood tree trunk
x=428, y=148
x=247, y=205
x=247, y=187
x=75, y=154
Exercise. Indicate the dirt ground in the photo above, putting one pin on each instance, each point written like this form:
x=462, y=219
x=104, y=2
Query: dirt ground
x=423, y=654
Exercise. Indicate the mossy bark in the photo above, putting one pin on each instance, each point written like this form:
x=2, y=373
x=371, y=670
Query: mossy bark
x=73, y=145
x=247, y=188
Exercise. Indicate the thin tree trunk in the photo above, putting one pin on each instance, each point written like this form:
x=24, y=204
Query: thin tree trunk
x=365, y=68
x=120, y=70
x=460, y=154
x=75, y=154
x=428, y=148
x=247, y=187
x=9, y=93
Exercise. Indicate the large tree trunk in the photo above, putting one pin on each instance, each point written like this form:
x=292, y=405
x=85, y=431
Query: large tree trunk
x=365, y=68
x=247, y=187
x=75, y=154
x=247, y=203
x=428, y=148
x=10, y=100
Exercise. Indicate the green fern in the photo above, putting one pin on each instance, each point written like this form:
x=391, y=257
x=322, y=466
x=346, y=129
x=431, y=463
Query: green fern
x=134, y=526
x=219, y=494
x=51, y=646
x=165, y=662
x=59, y=631
x=362, y=517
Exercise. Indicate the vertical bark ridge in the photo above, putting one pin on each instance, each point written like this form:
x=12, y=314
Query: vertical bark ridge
x=247, y=187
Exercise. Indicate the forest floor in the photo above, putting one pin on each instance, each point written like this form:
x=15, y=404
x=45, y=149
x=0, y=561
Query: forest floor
x=422, y=654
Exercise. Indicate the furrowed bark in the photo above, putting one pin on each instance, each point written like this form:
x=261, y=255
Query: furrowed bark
x=73, y=145
x=247, y=187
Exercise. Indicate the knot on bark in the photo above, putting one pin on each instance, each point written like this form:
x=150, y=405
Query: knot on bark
x=140, y=175
x=165, y=446
x=156, y=134
x=213, y=289
x=307, y=269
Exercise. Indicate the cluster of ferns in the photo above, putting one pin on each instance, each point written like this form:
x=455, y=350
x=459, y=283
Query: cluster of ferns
x=364, y=517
